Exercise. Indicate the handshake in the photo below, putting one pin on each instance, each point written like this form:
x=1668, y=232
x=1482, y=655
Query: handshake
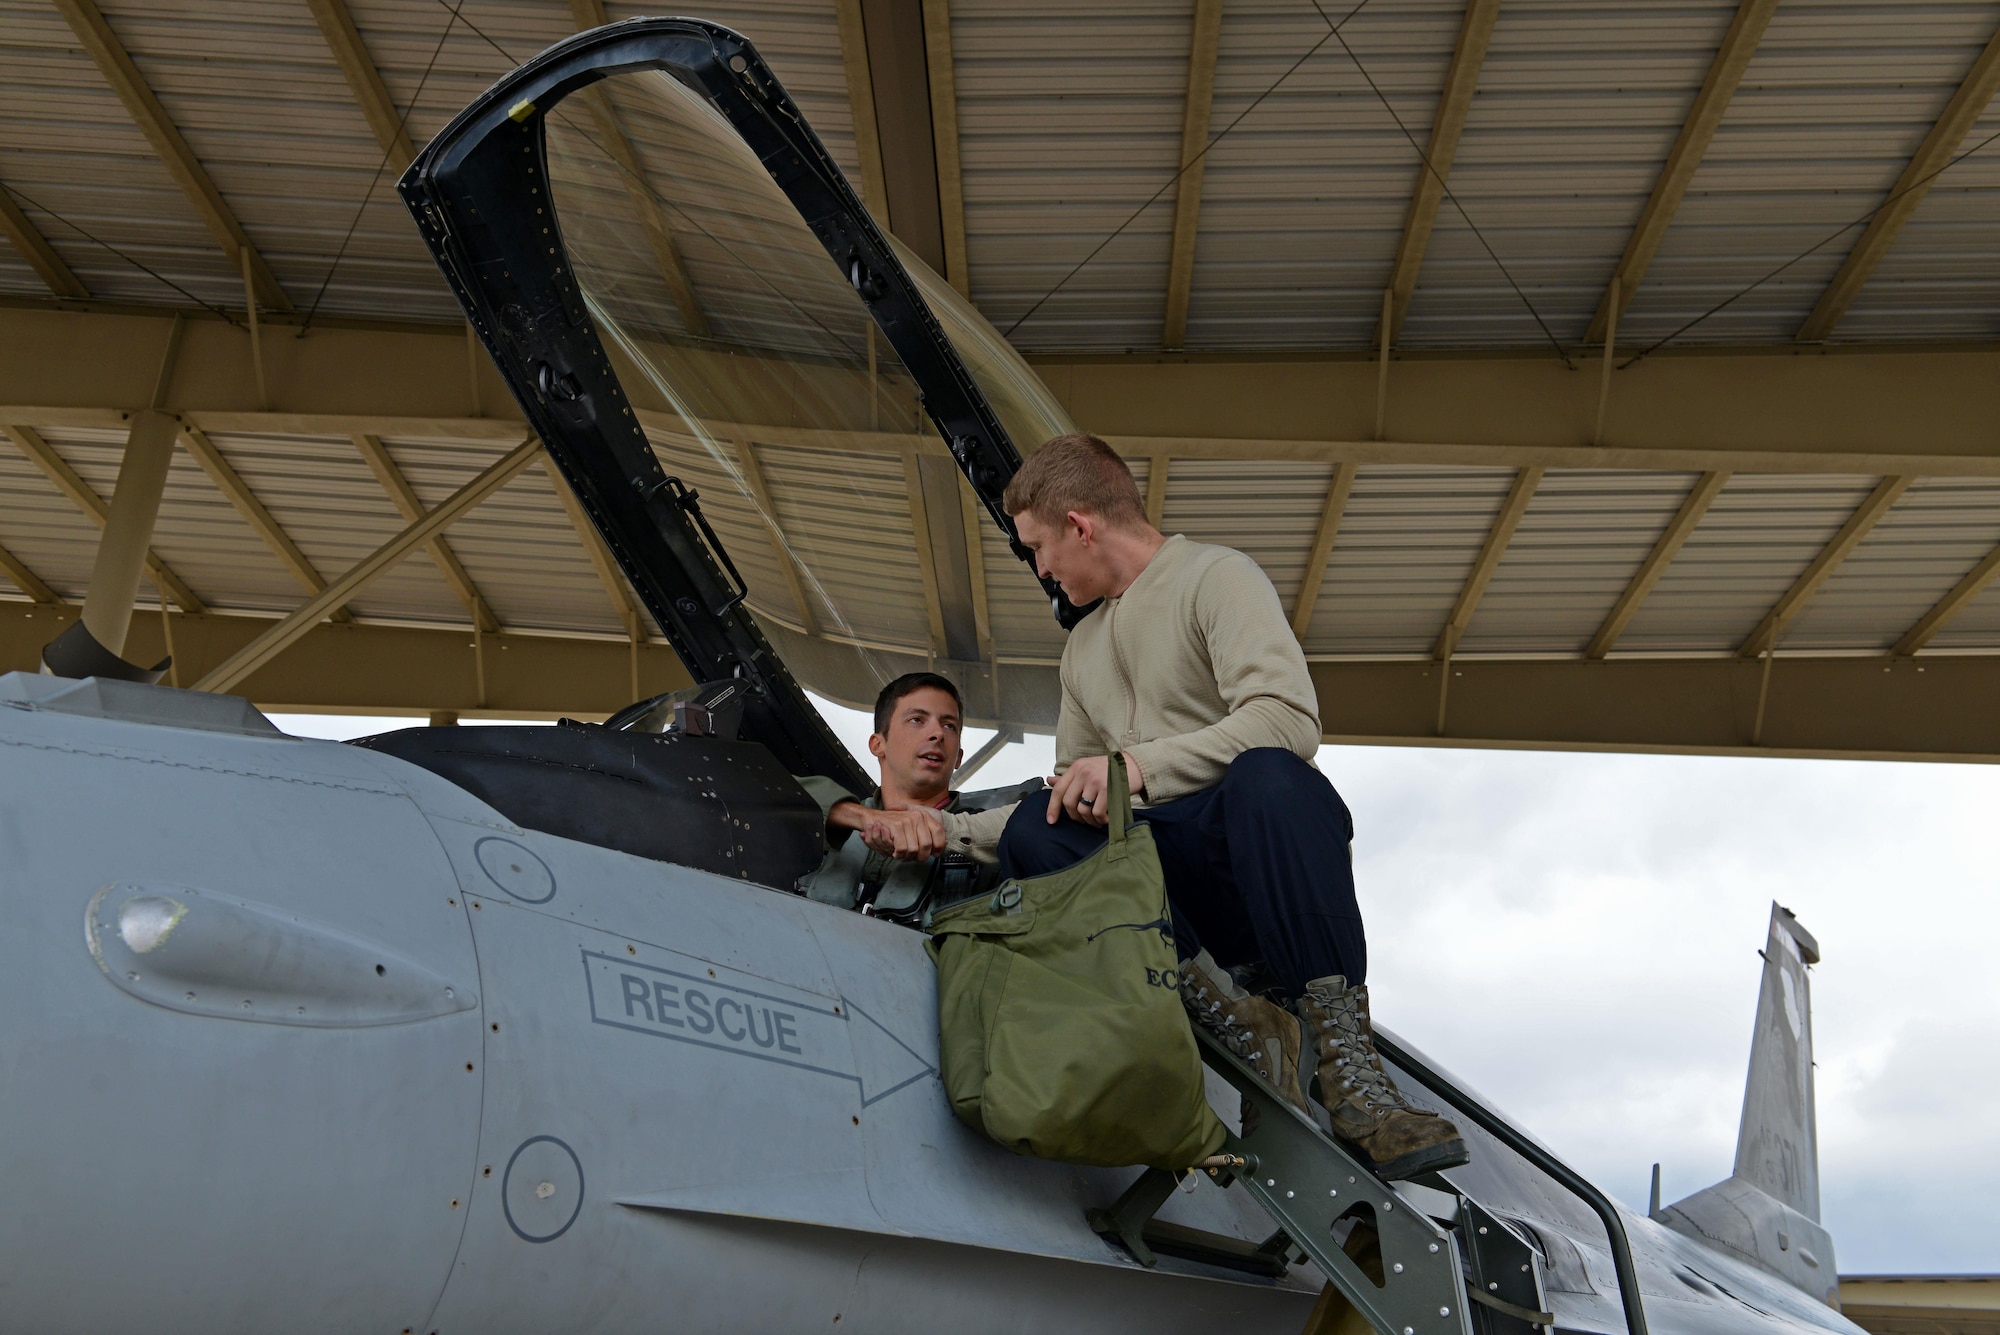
x=910, y=834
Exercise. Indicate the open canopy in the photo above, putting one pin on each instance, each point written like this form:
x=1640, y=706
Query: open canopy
x=688, y=300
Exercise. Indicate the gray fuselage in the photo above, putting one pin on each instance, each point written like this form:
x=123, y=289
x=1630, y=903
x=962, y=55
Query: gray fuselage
x=302, y=1036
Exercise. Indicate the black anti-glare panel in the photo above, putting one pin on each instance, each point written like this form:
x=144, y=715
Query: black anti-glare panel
x=724, y=807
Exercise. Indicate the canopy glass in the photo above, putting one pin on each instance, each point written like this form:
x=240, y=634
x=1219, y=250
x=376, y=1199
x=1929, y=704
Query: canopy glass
x=762, y=380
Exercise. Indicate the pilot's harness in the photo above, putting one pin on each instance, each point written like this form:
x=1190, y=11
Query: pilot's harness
x=952, y=878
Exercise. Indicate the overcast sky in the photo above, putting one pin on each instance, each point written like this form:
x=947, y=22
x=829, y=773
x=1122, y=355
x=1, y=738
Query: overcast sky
x=1576, y=936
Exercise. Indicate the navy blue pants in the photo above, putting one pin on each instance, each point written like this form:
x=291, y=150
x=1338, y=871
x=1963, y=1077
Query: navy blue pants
x=1257, y=868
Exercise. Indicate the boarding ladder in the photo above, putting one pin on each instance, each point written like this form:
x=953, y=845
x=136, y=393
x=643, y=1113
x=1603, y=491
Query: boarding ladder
x=1416, y=1258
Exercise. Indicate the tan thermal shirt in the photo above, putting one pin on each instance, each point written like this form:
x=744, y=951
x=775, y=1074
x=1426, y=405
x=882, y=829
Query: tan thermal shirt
x=1192, y=666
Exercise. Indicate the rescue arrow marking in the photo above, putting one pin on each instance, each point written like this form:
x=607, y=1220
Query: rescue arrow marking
x=802, y=1030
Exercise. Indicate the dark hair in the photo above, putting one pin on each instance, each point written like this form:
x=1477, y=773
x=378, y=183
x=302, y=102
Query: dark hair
x=1075, y=472
x=909, y=684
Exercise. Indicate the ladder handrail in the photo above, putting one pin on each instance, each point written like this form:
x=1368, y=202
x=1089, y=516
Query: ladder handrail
x=1464, y=1104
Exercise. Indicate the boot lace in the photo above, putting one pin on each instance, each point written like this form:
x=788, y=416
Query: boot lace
x=1354, y=1057
x=1211, y=1015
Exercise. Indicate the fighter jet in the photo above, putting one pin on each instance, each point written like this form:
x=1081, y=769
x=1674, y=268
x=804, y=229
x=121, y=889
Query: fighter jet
x=524, y=1029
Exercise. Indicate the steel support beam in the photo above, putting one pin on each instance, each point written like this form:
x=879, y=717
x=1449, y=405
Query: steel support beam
x=274, y=641
x=37, y=251
x=336, y=24
x=973, y=521
x=1207, y=42
x=412, y=509
x=1157, y=469
x=861, y=105
x=1938, y=707
x=1967, y=105
x=979, y=759
x=1869, y=513
x=1930, y=1303
x=1495, y=547
x=920, y=524
x=944, y=136
x=1725, y=73
x=630, y=613
x=947, y=553
x=1949, y=606
x=781, y=547
x=27, y=581
x=1330, y=515
x=361, y=668
x=112, y=61
x=128, y=528
x=622, y=600
x=58, y=471
x=1871, y=411
x=1706, y=488
x=896, y=48
x=231, y=484
x=1822, y=410
x=652, y=218
x=1454, y=104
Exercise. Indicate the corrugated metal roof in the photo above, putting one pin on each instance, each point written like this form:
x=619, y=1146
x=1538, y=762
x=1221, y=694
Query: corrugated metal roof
x=321, y=492
x=1577, y=106
x=1583, y=537
x=1942, y=277
x=1975, y=628
x=257, y=94
x=1270, y=512
x=1922, y=547
x=1837, y=99
x=198, y=533
x=1070, y=119
x=1304, y=201
x=1406, y=543
x=69, y=146
x=1758, y=537
x=848, y=518
x=42, y=529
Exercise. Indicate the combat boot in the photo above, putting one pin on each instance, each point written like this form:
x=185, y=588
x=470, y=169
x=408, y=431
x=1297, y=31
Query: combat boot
x=1260, y=1032
x=1368, y=1112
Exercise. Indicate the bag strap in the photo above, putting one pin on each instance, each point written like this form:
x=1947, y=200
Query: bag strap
x=1119, y=813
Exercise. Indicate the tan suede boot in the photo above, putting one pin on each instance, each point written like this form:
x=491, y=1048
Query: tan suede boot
x=1368, y=1113
x=1262, y=1033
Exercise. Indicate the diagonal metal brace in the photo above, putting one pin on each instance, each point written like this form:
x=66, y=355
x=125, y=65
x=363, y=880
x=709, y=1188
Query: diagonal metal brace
x=1313, y=1188
x=1504, y=1274
x=1126, y=1218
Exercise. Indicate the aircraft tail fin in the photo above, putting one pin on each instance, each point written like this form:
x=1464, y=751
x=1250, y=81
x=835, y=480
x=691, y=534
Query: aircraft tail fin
x=1767, y=1210
x=1777, y=1144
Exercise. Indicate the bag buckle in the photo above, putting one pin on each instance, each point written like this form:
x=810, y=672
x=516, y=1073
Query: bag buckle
x=1007, y=897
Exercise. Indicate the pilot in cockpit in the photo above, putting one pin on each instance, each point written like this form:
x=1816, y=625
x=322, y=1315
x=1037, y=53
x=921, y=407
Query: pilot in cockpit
x=887, y=852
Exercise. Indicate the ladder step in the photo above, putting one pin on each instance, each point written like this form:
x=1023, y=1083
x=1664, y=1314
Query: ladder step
x=1440, y=1263
x=1318, y=1194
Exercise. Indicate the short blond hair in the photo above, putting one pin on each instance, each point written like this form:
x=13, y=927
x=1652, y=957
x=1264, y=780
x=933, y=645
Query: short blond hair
x=1075, y=472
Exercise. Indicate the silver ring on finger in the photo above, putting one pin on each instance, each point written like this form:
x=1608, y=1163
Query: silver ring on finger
x=1086, y=801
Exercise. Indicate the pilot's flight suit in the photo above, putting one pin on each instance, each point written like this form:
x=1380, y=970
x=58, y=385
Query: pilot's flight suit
x=854, y=876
